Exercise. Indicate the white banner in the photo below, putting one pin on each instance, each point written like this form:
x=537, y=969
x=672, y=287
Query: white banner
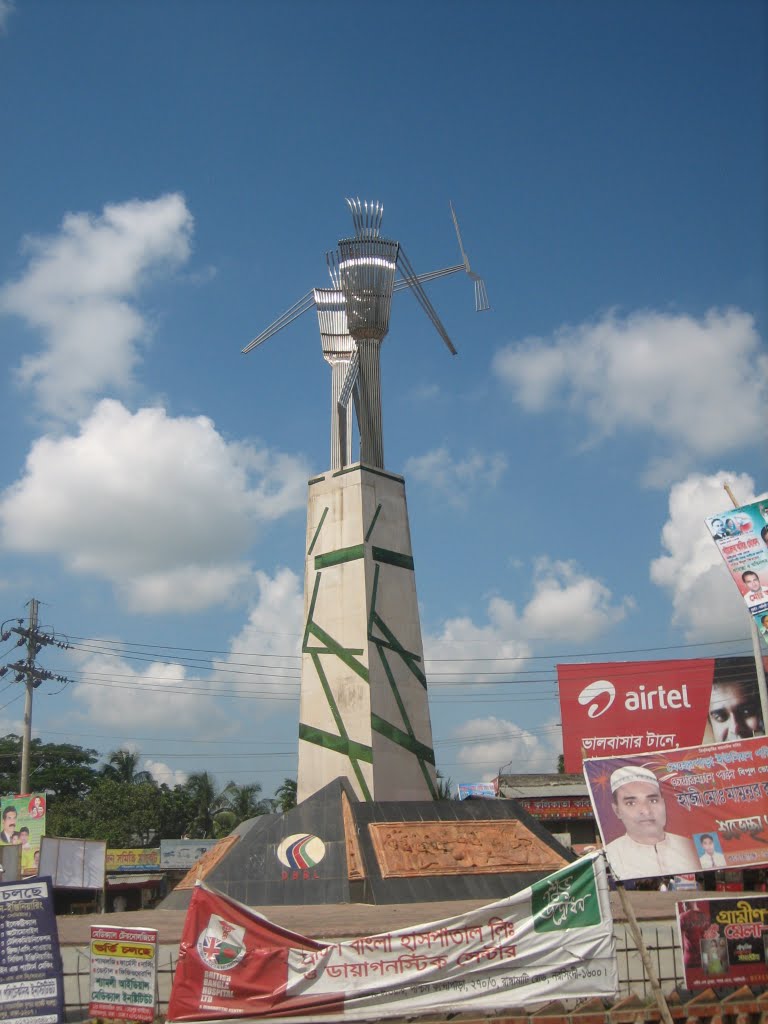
x=552, y=940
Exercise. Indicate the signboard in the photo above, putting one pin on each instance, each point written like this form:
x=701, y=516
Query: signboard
x=181, y=854
x=552, y=940
x=486, y=790
x=73, y=863
x=630, y=706
x=123, y=971
x=724, y=941
x=741, y=535
x=132, y=860
x=31, y=979
x=551, y=807
x=22, y=823
x=683, y=811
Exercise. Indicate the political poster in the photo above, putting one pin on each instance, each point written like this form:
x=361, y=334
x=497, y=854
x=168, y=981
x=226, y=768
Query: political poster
x=552, y=940
x=724, y=941
x=123, y=973
x=682, y=811
x=22, y=823
x=31, y=978
x=630, y=706
x=741, y=535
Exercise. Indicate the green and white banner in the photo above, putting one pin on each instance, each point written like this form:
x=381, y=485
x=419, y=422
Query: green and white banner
x=552, y=940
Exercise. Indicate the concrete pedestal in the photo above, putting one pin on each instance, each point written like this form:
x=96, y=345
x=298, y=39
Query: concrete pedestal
x=364, y=713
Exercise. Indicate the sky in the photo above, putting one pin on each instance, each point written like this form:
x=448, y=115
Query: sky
x=172, y=177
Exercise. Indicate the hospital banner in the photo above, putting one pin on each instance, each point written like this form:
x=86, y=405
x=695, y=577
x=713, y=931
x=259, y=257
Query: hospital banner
x=724, y=941
x=553, y=940
x=22, y=823
x=626, y=707
x=741, y=535
x=682, y=811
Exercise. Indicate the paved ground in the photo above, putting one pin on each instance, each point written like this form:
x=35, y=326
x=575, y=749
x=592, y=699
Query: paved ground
x=344, y=919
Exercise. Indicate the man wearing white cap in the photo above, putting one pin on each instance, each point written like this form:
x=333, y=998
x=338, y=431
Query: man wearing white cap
x=647, y=849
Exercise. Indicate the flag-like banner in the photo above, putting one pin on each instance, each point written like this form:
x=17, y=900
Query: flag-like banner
x=687, y=810
x=724, y=941
x=552, y=940
x=741, y=535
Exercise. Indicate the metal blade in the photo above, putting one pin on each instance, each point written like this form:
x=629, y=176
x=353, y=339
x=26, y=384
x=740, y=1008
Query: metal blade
x=408, y=273
x=458, y=235
x=296, y=310
x=350, y=380
x=432, y=275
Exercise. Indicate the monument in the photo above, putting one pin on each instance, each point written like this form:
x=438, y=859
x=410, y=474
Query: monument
x=368, y=825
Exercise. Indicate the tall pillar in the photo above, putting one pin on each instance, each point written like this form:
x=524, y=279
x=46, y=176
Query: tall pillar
x=364, y=712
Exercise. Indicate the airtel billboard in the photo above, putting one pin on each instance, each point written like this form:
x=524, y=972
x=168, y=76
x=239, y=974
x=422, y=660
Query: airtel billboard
x=627, y=707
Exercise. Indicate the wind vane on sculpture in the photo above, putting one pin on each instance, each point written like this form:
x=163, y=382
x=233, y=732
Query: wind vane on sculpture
x=353, y=317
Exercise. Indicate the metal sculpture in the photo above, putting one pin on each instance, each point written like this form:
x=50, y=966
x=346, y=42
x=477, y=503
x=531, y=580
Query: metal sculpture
x=353, y=317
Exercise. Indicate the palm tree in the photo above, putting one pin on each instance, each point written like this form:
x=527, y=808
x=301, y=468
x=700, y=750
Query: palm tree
x=122, y=766
x=444, y=787
x=285, y=795
x=207, y=803
x=243, y=801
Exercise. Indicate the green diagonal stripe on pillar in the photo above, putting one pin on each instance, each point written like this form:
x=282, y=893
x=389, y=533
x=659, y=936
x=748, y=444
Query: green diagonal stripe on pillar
x=333, y=647
x=339, y=744
x=350, y=554
x=391, y=558
x=402, y=739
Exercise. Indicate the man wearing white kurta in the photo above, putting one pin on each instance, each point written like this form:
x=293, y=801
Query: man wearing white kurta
x=647, y=849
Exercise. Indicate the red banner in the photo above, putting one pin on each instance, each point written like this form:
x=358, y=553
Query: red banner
x=693, y=809
x=626, y=707
x=724, y=941
x=552, y=940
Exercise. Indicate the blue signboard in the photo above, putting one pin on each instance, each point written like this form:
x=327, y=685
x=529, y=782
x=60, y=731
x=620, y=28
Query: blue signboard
x=481, y=789
x=31, y=978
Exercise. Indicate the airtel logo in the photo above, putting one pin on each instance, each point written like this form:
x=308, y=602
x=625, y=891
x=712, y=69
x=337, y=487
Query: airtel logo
x=593, y=694
x=601, y=694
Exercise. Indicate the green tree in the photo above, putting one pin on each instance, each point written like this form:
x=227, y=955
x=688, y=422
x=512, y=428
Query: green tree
x=123, y=815
x=123, y=766
x=61, y=769
x=444, y=787
x=207, y=801
x=285, y=796
x=561, y=764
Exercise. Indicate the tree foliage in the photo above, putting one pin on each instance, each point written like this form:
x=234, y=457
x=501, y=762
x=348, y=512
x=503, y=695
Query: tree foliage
x=285, y=796
x=61, y=769
x=121, y=803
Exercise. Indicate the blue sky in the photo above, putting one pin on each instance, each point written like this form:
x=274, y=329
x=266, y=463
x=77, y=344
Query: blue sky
x=172, y=176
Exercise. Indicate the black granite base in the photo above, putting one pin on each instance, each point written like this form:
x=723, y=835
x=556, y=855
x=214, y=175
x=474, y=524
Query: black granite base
x=261, y=870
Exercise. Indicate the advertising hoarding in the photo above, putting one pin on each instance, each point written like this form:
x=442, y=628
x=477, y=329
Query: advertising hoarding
x=724, y=941
x=741, y=535
x=123, y=973
x=182, y=854
x=132, y=859
x=73, y=863
x=683, y=811
x=31, y=979
x=552, y=940
x=22, y=823
x=630, y=706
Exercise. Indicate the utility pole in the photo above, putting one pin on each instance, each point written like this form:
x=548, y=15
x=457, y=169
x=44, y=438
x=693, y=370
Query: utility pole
x=32, y=649
x=28, y=673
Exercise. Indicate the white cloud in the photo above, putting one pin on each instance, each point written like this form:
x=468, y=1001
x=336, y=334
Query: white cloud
x=7, y=8
x=566, y=603
x=706, y=602
x=114, y=694
x=455, y=478
x=488, y=744
x=161, y=773
x=77, y=290
x=273, y=629
x=699, y=384
x=163, y=508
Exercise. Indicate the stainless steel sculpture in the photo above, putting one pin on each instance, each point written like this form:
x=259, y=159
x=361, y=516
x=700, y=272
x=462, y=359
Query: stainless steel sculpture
x=353, y=317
